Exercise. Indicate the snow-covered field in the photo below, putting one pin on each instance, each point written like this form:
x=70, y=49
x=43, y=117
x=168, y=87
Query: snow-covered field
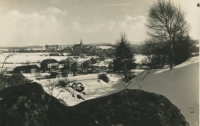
x=38, y=57
x=35, y=57
x=105, y=47
x=19, y=59
x=139, y=58
x=30, y=57
x=93, y=87
x=103, y=63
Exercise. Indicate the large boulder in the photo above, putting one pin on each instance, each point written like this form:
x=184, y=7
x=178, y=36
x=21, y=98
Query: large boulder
x=29, y=105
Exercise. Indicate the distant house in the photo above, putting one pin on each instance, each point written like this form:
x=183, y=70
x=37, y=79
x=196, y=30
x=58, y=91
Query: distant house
x=51, y=47
x=102, y=57
x=96, y=69
x=26, y=69
x=88, y=50
x=49, y=64
x=110, y=50
x=93, y=60
x=56, y=54
x=86, y=64
x=82, y=55
x=103, y=68
x=67, y=49
x=55, y=75
x=68, y=61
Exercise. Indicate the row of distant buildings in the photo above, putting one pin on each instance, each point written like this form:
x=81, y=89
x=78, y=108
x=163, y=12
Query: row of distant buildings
x=61, y=68
x=52, y=64
x=33, y=48
x=23, y=49
x=45, y=65
x=76, y=48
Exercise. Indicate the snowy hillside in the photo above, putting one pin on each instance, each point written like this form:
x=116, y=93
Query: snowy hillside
x=180, y=85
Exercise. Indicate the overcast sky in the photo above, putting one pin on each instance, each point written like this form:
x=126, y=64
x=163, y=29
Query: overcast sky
x=62, y=22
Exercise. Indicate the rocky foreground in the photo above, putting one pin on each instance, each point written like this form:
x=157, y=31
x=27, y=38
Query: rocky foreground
x=30, y=105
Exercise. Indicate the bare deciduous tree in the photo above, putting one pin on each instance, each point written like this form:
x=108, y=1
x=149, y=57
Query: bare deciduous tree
x=3, y=69
x=51, y=86
x=4, y=80
x=166, y=22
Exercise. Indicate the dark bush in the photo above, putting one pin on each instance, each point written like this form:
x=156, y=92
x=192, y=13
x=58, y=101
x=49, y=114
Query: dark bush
x=13, y=80
x=103, y=77
x=62, y=83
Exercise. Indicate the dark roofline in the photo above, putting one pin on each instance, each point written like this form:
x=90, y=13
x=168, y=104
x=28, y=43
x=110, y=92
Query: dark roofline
x=24, y=68
x=50, y=61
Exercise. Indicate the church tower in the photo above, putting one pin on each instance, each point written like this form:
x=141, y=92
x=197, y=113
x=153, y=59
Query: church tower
x=81, y=44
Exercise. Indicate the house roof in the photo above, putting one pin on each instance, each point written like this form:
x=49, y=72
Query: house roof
x=54, y=74
x=70, y=59
x=77, y=45
x=67, y=60
x=54, y=54
x=24, y=68
x=93, y=60
x=49, y=61
x=87, y=61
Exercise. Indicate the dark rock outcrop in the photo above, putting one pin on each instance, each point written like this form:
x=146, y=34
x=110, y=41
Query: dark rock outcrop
x=29, y=105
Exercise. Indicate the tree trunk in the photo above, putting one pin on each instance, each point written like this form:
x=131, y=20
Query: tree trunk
x=125, y=70
x=171, y=56
x=125, y=74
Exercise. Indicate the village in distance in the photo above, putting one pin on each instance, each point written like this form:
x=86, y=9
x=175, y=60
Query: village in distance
x=56, y=60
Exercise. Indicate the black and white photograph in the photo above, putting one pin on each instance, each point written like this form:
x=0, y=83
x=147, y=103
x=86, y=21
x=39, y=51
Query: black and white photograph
x=99, y=62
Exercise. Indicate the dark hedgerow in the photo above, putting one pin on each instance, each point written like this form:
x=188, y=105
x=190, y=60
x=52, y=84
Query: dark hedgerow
x=103, y=77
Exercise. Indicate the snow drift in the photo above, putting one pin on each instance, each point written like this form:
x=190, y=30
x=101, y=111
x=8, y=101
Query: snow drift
x=180, y=85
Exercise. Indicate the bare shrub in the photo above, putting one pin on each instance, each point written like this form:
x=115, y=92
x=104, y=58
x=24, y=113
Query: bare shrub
x=103, y=77
x=51, y=86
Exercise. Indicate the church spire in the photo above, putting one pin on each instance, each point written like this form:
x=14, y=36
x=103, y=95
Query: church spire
x=81, y=44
